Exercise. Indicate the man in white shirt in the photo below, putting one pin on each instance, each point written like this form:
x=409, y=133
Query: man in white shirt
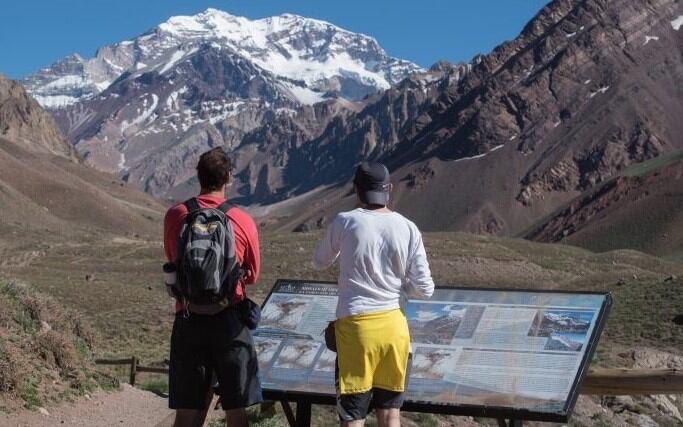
x=382, y=263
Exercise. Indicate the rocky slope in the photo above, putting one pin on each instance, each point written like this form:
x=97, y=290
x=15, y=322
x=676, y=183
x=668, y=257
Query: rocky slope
x=45, y=191
x=24, y=121
x=588, y=88
x=639, y=209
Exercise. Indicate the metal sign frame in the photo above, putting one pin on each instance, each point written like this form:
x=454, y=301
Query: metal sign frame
x=304, y=400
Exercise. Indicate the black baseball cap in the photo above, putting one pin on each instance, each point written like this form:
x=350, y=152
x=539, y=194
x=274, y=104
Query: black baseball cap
x=373, y=183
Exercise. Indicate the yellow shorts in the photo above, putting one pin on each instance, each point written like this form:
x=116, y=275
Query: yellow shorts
x=372, y=351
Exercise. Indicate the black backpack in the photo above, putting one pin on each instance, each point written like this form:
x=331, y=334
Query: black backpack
x=206, y=266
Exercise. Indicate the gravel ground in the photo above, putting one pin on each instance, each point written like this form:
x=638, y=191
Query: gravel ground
x=128, y=407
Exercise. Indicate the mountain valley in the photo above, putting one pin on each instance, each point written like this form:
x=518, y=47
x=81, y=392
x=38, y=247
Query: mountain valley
x=587, y=89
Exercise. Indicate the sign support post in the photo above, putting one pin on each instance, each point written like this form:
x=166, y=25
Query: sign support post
x=303, y=414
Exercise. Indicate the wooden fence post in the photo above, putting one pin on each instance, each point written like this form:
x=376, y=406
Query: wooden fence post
x=133, y=370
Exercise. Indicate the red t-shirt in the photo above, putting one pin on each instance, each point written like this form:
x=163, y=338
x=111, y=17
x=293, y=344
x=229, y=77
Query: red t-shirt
x=246, y=239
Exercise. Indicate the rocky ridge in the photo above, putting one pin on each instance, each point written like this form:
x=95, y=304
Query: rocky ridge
x=588, y=88
x=24, y=121
x=45, y=190
x=637, y=209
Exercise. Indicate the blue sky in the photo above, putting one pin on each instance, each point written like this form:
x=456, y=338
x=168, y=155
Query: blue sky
x=35, y=33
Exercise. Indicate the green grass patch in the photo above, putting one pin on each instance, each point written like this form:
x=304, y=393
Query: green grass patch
x=158, y=385
x=426, y=420
x=29, y=394
x=28, y=324
x=82, y=348
x=107, y=382
x=651, y=165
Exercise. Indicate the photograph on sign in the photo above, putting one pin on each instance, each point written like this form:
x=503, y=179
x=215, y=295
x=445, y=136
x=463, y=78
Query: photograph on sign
x=521, y=350
x=566, y=330
x=433, y=363
x=326, y=361
x=285, y=312
x=266, y=348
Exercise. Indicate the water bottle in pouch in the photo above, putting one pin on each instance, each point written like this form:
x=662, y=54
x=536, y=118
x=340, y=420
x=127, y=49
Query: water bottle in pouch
x=170, y=278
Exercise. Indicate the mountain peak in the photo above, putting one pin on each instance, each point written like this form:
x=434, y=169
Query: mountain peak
x=317, y=55
x=216, y=23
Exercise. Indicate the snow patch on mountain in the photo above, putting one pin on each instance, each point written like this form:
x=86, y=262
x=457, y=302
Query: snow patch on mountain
x=142, y=118
x=122, y=161
x=479, y=156
x=175, y=58
x=648, y=39
x=304, y=95
x=172, y=100
x=55, y=101
x=66, y=81
x=677, y=23
x=601, y=90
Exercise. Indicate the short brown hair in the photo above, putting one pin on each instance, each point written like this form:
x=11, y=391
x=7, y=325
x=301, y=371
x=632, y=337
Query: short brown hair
x=213, y=169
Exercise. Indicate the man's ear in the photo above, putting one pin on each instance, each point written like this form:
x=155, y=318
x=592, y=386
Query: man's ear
x=355, y=191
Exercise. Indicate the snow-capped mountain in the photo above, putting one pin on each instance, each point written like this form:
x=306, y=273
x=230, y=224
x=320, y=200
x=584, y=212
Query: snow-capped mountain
x=315, y=59
x=145, y=108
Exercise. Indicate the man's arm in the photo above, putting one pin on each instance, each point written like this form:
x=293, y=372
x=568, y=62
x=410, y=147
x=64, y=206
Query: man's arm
x=418, y=273
x=252, y=256
x=328, y=248
x=172, y=224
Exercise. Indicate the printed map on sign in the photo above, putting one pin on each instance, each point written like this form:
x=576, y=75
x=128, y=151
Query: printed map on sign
x=495, y=348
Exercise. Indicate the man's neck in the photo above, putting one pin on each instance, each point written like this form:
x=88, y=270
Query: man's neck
x=214, y=193
x=377, y=208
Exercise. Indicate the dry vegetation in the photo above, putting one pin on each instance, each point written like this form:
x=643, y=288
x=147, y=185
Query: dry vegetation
x=45, y=350
x=115, y=285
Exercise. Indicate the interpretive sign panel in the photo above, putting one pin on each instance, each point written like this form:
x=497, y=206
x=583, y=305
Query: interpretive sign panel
x=511, y=353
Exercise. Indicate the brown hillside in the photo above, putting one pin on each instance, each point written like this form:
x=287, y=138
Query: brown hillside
x=24, y=121
x=45, y=191
x=586, y=90
x=56, y=194
x=644, y=212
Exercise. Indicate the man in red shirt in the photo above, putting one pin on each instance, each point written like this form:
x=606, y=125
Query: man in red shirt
x=220, y=346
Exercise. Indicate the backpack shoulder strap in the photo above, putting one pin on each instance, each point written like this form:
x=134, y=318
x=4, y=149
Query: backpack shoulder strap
x=226, y=206
x=192, y=204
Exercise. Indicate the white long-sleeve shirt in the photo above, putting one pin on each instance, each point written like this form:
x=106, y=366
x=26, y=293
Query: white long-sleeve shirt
x=382, y=261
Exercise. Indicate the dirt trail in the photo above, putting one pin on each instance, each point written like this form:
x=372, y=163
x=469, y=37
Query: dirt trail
x=128, y=407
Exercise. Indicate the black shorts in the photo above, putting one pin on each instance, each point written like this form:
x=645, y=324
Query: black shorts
x=356, y=406
x=208, y=347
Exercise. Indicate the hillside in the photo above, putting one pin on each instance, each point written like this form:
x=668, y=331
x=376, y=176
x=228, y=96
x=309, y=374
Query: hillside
x=42, y=192
x=45, y=190
x=49, y=199
x=639, y=209
x=45, y=350
x=24, y=121
x=587, y=89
